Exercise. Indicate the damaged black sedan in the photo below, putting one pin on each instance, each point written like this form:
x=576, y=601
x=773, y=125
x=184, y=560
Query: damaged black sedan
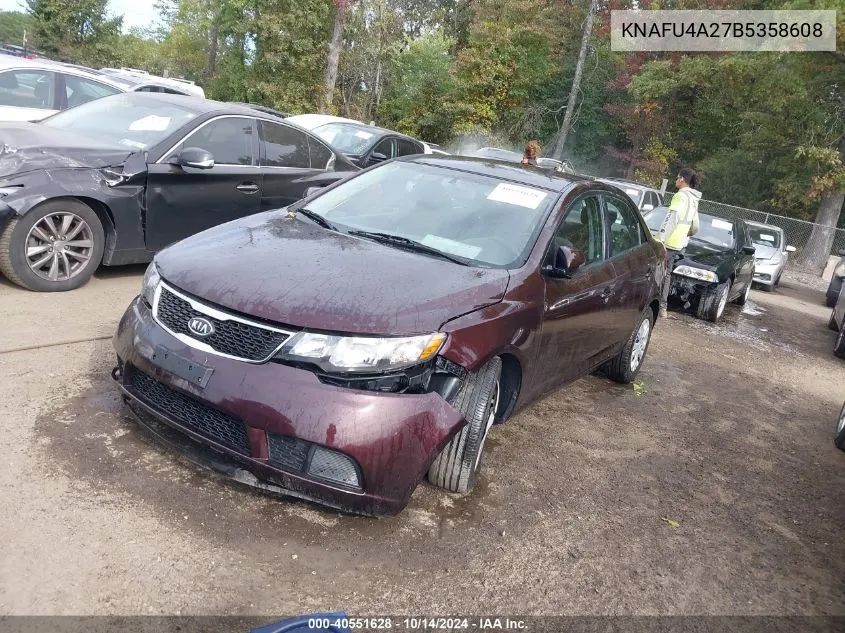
x=117, y=179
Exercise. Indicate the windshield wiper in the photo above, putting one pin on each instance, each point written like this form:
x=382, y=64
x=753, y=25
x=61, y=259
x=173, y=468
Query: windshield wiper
x=404, y=242
x=317, y=219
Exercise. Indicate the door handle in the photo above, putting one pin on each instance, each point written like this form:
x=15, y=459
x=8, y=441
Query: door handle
x=248, y=187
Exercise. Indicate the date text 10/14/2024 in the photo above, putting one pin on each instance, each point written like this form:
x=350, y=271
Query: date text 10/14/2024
x=418, y=624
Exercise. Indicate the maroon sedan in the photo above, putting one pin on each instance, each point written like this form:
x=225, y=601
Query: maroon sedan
x=343, y=348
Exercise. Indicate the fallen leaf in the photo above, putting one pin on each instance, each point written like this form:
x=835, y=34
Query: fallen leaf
x=671, y=522
x=639, y=387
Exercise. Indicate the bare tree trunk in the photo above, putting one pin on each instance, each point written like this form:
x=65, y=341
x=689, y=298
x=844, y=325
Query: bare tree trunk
x=333, y=58
x=576, y=83
x=211, y=60
x=817, y=251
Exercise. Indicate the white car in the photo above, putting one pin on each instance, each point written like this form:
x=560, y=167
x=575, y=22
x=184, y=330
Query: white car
x=313, y=121
x=32, y=89
x=770, y=255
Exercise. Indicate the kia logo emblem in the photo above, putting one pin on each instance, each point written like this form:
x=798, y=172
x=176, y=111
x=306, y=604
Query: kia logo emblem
x=200, y=327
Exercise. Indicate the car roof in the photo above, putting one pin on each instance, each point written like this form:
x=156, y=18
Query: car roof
x=11, y=61
x=503, y=169
x=310, y=121
x=197, y=104
x=628, y=183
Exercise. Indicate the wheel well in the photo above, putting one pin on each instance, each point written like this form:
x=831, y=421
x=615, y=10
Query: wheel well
x=511, y=384
x=655, y=308
x=106, y=219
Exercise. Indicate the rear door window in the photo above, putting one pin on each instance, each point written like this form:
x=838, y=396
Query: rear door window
x=79, y=90
x=408, y=147
x=284, y=146
x=623, y=227
x=386, y=146
x=321, y=156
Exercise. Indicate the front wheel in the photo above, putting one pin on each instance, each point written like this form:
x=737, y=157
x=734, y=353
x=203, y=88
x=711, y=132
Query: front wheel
x=831, y=323
x=839, y=347
x=839, y=440
x=712, y=304
x=625, y=367
x=457, y=465
x=55, y=247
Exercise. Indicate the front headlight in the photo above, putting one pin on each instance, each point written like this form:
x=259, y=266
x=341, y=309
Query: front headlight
x=697, y=273
x=150, y=283
x=360, y=353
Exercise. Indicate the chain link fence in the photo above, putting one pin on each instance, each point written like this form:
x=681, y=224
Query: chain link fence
x=796, y=232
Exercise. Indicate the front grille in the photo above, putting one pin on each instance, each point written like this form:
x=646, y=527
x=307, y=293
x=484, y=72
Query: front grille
x=233, y=338
x=189, y=412
x=287, y=452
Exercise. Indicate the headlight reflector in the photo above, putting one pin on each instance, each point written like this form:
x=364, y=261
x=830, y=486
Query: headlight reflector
x=150, y=283
x=361, y=353
x=696, y=273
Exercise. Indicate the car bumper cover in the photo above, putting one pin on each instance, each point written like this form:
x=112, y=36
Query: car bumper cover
x=277, y=427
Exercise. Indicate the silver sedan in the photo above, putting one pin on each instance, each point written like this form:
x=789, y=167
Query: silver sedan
x=771, y=253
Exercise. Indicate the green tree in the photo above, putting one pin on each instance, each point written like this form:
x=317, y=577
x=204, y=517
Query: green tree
x=77, y=30
x=12, y=27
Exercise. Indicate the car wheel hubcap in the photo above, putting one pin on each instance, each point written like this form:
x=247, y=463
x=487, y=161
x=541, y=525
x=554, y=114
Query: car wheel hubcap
x=841, y=424
x=59, y=246
x=493, y=406
x=640, y=343
x=723, y=300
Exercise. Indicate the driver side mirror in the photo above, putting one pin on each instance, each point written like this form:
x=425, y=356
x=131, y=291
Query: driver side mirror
x=749, y=250
x=376, y=157
x=194, y=157
x=566, y=263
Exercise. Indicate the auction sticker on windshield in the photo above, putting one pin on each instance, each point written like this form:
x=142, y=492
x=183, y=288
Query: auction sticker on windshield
x=151, y=123
x=721, y=224
x=363, y=135
x=767, y=237
x=520, y=196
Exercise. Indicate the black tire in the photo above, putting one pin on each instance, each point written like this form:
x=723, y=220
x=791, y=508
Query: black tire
x=839, y=439
x=833, y=291
x=839, y=346
x=769, y=287
x=831, y=323
x=711, y=305
x=457, y=465
x=742, y=299
x=13, y=245
x=620, y=368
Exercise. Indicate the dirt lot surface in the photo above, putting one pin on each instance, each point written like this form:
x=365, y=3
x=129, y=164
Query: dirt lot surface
x=713, y=489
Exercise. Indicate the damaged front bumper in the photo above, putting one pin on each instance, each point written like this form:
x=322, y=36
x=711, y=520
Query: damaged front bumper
x=689, y=290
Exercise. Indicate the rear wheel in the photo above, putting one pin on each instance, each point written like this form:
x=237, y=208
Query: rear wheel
x=839, y=440
x=55, y=247
x=839, y=347
x=831, y=323
x=457, y=465
x=712, y=305
x=625, y=367
x=743, y=298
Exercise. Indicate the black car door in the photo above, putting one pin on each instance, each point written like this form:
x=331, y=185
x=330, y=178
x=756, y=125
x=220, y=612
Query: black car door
x=633, y=261
x=182, y=201
x=577, y=327
x=744, y=257
x=289, y=161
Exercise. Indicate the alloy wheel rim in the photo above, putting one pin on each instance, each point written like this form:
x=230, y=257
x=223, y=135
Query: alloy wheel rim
x=59, y=246
x=493, y=403
x=640, y=342
x=841, y=424
x=723, y=300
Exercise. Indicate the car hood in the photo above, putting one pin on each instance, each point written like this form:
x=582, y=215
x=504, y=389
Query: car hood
x=708, y=255
x=766, y=252
x=291, y=271
x=30, y=146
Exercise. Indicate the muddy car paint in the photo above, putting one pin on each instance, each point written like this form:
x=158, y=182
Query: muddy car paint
x=143, y=204
x=547, y=331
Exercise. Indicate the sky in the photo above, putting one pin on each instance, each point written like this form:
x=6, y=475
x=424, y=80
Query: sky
x=134, y=12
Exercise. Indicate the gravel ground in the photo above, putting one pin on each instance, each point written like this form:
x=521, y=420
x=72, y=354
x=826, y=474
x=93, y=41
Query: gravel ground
x=714, y=489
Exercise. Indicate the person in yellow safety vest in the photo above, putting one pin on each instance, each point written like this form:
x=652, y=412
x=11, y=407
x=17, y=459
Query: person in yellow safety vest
x=684, y=208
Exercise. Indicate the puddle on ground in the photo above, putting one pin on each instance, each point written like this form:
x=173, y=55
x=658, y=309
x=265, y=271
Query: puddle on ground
x=752, y=309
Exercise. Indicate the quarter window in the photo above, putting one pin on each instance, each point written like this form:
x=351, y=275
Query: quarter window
x=581, y=229
x=284, y=146
x=623, y=227
x=406, y=147
x=27, y=89
x=321, y=156
x=229, y=140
